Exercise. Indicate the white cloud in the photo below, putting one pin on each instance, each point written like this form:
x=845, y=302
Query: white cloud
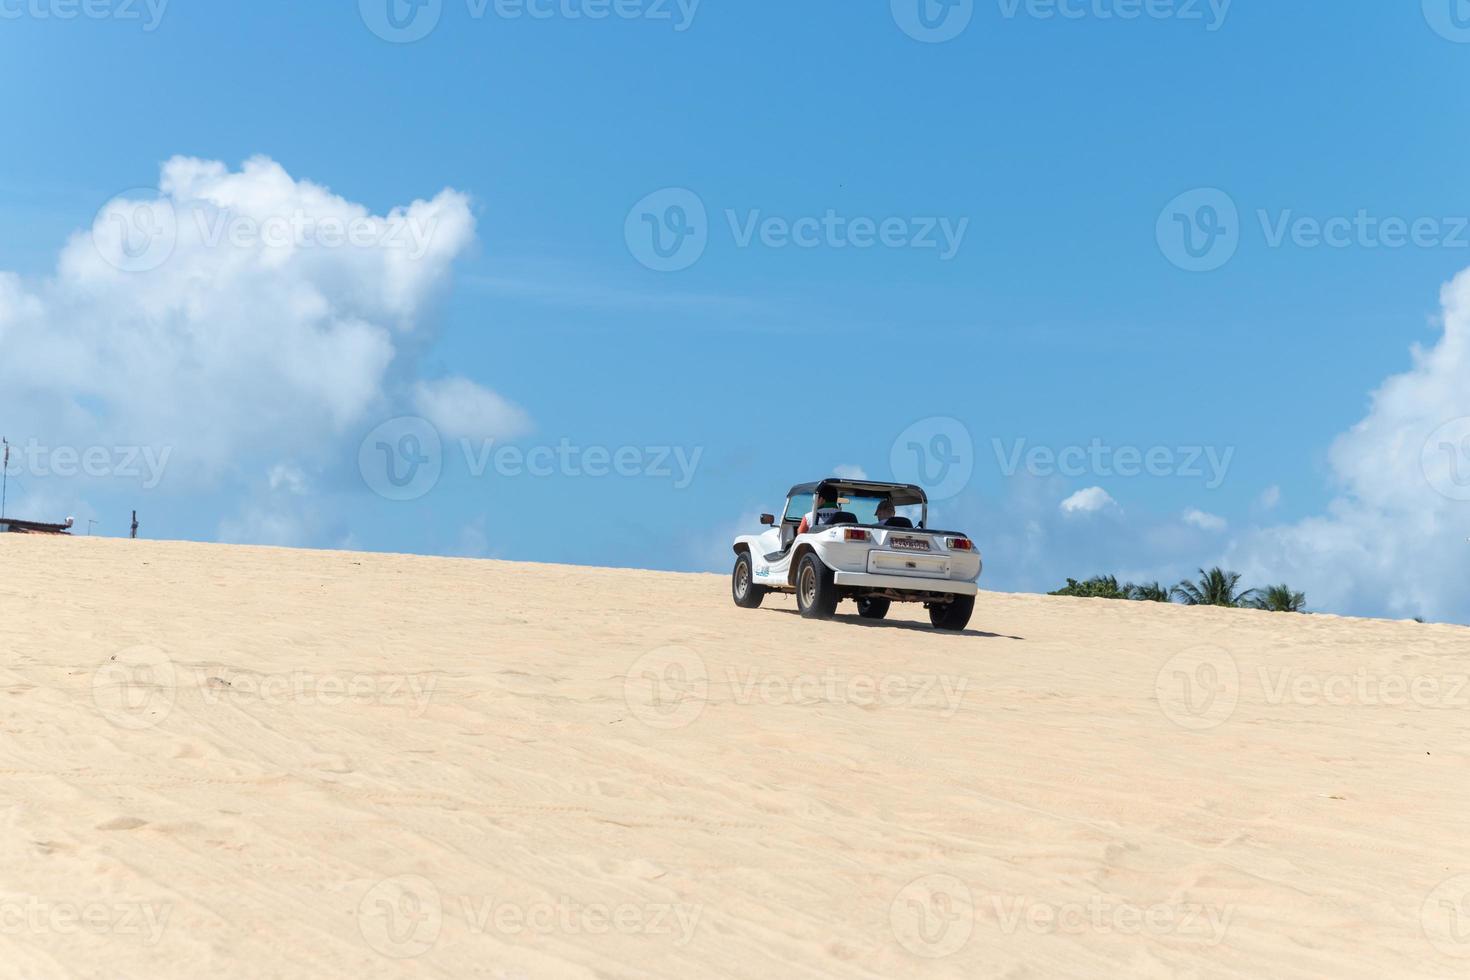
x=459, y=408
x=284, y=476
x=1089, y=501
x=1205, y=522
x=1270, y=498
x=245, y=321
x=847, y=471
x=1394, y=541
x=197, y=317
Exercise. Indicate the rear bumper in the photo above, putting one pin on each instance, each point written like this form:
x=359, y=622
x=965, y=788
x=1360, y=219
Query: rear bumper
x=904, y=583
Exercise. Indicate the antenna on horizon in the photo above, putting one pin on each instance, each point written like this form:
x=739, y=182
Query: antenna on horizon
x=5, y=479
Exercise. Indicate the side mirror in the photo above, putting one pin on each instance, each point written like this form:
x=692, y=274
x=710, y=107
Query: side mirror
x=768, y=519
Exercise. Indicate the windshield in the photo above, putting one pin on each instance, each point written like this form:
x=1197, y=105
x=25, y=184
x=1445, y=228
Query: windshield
x=798, y=507
x=865, y=509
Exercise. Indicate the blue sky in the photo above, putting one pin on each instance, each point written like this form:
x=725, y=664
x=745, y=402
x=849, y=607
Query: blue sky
x=1054, y=142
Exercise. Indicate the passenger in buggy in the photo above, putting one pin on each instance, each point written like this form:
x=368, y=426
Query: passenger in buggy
x=886, y=516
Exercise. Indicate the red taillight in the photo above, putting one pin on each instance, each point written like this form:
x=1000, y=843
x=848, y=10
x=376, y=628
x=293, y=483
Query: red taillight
x=961, y=544
x=856, y=534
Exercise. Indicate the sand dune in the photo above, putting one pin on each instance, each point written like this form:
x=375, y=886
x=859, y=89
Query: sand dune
x=256, y=762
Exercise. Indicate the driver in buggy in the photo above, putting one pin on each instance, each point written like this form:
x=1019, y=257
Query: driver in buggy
x=824, y=506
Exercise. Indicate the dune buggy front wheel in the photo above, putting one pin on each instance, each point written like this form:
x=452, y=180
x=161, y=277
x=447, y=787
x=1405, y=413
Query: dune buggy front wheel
x=746, y=593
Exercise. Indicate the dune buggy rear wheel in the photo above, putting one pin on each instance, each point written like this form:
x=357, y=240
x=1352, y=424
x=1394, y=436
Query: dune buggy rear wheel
x=953, y=615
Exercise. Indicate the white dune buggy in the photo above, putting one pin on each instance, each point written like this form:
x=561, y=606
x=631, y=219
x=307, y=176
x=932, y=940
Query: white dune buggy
x=849, y=553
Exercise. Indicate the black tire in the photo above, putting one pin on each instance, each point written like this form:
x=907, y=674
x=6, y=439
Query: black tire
x=953, y=615
x=872, y=607
x=816, y=592
x=743, y=590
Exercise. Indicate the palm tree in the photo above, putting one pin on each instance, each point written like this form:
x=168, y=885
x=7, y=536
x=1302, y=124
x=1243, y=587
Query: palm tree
x=1152, y=592
x=1280, y=598
x=1215, y=588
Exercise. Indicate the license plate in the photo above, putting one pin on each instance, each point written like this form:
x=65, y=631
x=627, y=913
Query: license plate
x=908, y=544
